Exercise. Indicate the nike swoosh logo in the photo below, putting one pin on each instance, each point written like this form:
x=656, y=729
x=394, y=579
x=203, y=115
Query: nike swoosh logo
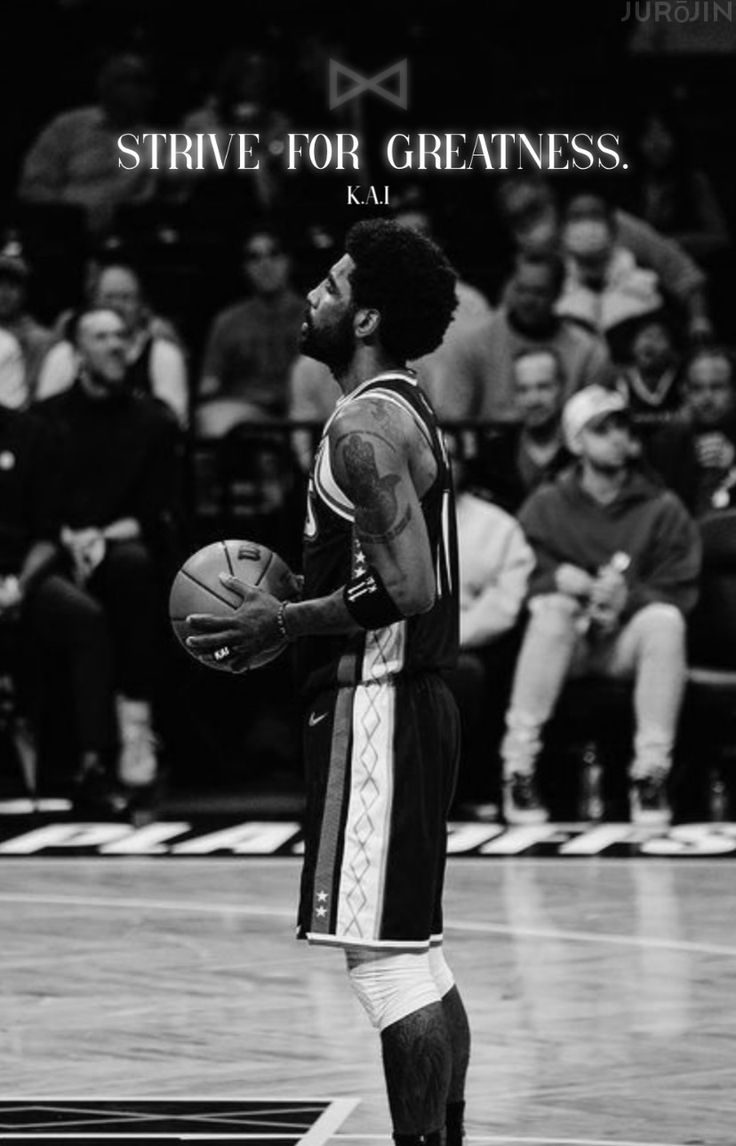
x=314, y=719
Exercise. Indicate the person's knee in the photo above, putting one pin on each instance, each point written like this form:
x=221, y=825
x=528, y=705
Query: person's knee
x=390, y=987
x=553, y=615
x=129, y=557
x=129, y=570
x=662, y=625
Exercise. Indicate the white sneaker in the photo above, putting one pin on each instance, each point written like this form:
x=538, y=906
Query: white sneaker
x=137, y=763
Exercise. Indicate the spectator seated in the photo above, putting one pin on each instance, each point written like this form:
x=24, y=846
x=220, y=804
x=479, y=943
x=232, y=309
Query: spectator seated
x=252, y=344
x=696, y=457
x=617, y=566
x=154, y=357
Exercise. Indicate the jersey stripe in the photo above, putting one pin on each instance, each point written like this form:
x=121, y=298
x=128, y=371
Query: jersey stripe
x=328, y=489
x=368, y=821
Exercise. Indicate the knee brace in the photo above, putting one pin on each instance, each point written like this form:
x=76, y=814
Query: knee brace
x=441, y=973
x=390, y=987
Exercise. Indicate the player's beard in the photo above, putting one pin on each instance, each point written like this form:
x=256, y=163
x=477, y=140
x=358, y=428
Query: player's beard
x=333, y=345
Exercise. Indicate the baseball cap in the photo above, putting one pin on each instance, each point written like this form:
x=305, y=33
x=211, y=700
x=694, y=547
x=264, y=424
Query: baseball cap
x=584, y=407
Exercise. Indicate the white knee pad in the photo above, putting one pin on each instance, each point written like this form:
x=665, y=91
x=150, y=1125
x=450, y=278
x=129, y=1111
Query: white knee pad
x=390, y=987
x=441, y=973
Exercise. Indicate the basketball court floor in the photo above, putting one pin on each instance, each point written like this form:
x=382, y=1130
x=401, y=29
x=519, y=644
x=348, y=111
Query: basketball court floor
x=162, y=995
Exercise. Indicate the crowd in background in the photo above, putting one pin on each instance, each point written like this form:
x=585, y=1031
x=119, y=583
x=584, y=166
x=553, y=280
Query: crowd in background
x=153, y=398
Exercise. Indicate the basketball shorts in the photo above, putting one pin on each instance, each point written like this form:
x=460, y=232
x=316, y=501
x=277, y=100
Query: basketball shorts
x=381, y=765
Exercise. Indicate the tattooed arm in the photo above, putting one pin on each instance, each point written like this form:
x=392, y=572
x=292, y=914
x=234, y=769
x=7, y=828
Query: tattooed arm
x=371, y=447
x=377, y=460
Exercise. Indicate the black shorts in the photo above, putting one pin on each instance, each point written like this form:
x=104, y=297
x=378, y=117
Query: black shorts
x=381, y=765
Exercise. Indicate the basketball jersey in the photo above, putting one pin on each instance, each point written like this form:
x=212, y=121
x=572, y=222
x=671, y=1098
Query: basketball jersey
x=333, y=556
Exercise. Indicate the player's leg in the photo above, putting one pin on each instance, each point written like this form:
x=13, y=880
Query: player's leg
x=458, y=1033
x=544, y=663
x=444, y=710
x=401, y=998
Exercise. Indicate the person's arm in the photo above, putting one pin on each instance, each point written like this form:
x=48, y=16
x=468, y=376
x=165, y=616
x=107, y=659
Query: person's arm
x=370, y=452
x=154, y=505
x=38, y=559
x=57, y=371
x=679, y=275
x=673, y=564
x=43, y=175
x=169, y=378
x=551, y=573
x=496, y=608
x=213, y=361
x=124, y=529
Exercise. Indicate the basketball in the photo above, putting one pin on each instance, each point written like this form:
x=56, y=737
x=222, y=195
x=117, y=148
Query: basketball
x=197, y=588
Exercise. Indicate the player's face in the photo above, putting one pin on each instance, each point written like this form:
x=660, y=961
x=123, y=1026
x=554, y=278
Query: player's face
x=538, y=390
x=606, y=443
x=710, y=390
x=327, y=331
x=101, y=346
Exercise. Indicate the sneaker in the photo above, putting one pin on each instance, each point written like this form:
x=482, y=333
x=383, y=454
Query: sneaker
x=522, y=804
x=649, y=804
x=137, y=763
x=93, y=791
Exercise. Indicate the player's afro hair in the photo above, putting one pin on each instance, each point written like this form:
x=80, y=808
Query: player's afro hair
x=408, y=280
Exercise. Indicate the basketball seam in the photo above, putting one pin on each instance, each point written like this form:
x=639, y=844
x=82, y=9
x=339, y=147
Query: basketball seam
x=228, y=558
x=207, y=589
x=265, y=569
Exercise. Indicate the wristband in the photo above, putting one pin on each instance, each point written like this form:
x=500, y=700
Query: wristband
x=369, y=602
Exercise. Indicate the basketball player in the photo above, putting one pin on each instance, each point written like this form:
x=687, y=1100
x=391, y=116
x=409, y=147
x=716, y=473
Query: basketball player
x=377, y=624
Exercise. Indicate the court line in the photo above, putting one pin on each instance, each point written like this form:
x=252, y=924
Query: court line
x=323, y=1130
x=470, y=926
x=512, y=1140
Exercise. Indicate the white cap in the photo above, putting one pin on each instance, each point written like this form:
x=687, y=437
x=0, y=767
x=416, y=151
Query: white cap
x=587, y=405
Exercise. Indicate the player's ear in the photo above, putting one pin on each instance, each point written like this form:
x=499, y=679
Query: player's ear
x=367, y=321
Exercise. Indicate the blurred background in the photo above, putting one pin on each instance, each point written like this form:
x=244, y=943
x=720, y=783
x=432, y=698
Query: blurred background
x=208, y=272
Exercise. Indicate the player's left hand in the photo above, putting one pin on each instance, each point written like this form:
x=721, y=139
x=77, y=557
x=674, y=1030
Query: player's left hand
x=251, y=629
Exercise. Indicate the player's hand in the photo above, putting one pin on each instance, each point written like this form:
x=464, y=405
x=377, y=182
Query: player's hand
x=573, y=582
x=715, y=451
x=251, y=629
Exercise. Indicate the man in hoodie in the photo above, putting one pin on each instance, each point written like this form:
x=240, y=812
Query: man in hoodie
x=618, y=559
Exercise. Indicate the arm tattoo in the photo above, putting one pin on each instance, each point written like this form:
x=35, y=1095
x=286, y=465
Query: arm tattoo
x=376, y=507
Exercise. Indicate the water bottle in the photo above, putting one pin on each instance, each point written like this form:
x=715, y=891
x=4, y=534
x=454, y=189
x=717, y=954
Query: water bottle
x=591, y=785
x=717, y=797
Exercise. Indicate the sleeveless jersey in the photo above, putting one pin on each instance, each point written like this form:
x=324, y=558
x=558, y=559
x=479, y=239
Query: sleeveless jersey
x=333, y=556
